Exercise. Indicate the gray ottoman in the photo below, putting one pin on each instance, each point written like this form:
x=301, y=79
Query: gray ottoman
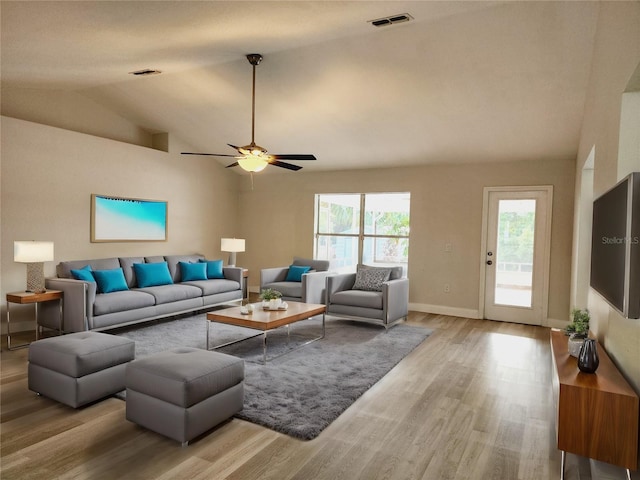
x=79, y=368
x=184, y=392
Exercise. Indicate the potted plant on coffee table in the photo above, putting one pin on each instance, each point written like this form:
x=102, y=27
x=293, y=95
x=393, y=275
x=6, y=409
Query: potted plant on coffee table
x=270, y=298
x=578, y=330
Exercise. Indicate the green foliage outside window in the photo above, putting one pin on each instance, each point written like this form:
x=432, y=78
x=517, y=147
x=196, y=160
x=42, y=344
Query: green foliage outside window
x=346, y=234
x=516, y=237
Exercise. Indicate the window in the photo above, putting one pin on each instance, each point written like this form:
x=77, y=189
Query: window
x=370, y=228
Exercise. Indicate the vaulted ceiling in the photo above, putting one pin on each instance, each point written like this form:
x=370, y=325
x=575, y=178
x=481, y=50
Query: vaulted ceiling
x=461, y=82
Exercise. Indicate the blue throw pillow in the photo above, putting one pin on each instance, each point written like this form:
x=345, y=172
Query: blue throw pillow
x=295, y=273
x=83, y=273
x=214, y=268
x=193, y=271
x=110, y=280
x=152, y=274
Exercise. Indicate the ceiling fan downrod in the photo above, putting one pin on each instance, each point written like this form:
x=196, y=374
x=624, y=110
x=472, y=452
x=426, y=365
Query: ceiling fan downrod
x=254, y=59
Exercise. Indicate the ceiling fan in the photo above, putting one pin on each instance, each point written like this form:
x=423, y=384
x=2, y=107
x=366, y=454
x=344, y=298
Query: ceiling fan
x=252, y=157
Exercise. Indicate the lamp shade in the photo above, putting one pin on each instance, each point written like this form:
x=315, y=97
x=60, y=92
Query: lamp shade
x=232, y=245
x=28, y=251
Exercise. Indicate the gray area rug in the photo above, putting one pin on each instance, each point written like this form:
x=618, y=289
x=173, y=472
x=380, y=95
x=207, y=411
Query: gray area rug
x=302, y=392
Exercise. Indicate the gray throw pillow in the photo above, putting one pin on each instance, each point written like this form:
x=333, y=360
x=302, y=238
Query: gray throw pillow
x=371, y=278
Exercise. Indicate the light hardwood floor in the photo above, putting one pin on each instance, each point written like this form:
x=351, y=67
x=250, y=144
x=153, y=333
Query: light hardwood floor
x=471, y=402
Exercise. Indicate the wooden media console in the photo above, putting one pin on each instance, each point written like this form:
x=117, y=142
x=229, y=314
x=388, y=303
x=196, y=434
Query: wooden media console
x=597, y=414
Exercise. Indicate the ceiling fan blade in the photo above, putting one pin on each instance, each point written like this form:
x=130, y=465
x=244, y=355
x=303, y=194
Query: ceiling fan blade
x=209, y=154
x=288, y=166
x=234, y=164
x=293, y=156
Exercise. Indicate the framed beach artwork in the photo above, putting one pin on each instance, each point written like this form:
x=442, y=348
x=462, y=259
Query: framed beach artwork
x=117, y=219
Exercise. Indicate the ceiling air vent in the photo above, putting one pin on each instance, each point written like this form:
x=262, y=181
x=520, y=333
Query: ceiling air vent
x=146, y=71
x=393, y=19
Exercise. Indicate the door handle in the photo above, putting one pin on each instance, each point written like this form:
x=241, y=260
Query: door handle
x=489, y=262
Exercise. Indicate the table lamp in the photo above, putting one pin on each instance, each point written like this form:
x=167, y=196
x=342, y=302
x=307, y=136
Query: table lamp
x=34, y=254
x=232, y=245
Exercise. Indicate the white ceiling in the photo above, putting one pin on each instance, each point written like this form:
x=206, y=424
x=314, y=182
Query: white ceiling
x=463, y=82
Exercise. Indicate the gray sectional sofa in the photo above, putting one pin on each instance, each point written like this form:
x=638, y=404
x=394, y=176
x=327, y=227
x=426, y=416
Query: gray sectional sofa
x=87, y=309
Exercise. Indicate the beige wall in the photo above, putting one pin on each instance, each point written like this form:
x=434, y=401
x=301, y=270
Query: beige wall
x=49, y=174
x=616, y=57
x=446, y=207
x=71, y=111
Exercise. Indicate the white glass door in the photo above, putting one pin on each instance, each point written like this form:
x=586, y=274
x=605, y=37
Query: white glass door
x=516, y=255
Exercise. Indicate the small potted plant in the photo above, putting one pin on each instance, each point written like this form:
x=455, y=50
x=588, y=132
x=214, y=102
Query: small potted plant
x=270, y=298
x=578, y=330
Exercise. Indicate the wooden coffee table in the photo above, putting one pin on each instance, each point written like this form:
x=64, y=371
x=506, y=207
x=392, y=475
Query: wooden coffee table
x=266, y=320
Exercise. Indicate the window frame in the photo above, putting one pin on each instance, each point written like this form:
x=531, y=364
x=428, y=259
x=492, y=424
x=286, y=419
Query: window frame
x=360, y=236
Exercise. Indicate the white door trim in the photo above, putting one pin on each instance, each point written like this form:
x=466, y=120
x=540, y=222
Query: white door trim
x=547, y=244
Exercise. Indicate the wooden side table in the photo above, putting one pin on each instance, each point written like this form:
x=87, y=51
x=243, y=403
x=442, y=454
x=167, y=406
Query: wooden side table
x=34, y=298
x=596, y=413
x=245, y=283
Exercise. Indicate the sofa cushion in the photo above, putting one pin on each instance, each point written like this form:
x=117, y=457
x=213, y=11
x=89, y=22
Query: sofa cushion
x=172, y=293
x=126, y=263
x=211, y=287
x=295, y=272
x=396, y=272
x=287, y=289
x=174, y=260
x=193, y=271
x=317, y=265
x=84, y=273
x=358, y=298
x=214, y=268
x=371, y=278
x=110, y=280
x=121, y=301
x=63, y=269
x=154, y=259
x=152, y=274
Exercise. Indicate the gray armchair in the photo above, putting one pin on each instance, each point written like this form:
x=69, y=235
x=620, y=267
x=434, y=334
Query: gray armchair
x=385, y=307
x=310, y=288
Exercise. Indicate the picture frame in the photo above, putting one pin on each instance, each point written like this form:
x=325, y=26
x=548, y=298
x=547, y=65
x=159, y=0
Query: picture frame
x=121, y=219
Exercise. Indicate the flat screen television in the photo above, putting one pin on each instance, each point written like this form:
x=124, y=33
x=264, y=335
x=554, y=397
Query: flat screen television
x=615, y=246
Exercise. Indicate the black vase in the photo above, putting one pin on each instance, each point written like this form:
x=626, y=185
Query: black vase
x=588, y=360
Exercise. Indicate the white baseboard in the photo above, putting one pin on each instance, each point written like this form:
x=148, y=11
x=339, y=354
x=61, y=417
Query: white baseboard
x=445, y=310
x=555, y=323
x=470, y=313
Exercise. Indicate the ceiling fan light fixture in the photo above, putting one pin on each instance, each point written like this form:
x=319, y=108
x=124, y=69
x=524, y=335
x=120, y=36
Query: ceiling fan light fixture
x=253, y=149
x=253, y=163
